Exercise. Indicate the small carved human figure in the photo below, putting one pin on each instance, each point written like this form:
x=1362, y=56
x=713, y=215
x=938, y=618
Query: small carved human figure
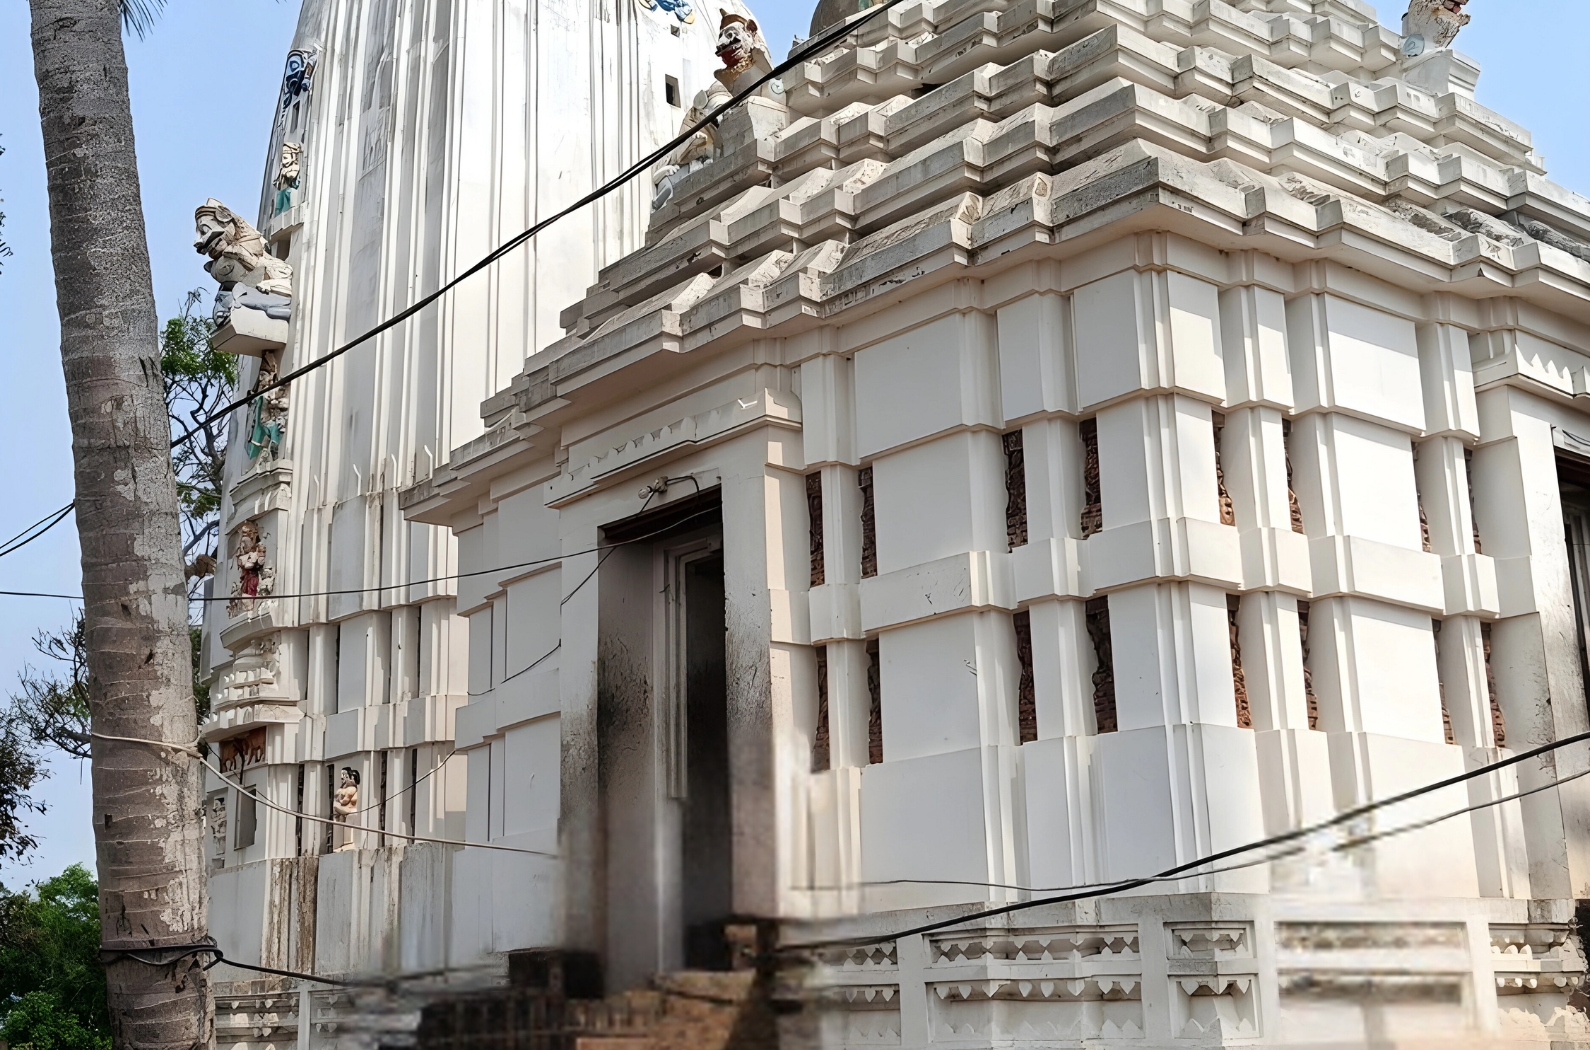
x=1432, y=24
x=248, y=274
x=288, y=169
x=267, y=423
x=345, y=803
x=218, y=824
x=291, y=165
x=250, y=559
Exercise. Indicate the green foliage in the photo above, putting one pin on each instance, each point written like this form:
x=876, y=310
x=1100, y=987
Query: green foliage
x=20, y=769
x=52, y=986
x=201, y=688
x=4, y=250
x=197, y=381
x=52, y=708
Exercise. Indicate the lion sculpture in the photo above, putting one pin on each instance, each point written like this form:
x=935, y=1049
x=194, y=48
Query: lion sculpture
x=248, y=274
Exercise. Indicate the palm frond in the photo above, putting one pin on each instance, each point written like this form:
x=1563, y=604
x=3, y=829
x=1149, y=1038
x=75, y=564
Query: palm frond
x=139, y=16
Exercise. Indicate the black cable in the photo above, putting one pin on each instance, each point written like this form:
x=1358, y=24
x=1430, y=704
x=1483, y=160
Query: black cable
x=415, y=583
x=795, y=58
x=1131, y=884
x=34, y=531
x=1105, y=889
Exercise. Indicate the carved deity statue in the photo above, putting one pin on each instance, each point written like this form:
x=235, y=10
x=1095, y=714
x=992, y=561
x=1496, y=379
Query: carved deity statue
x=345, y=803
x=249, y=275
x=1432, y=24
x=254, y=578
x=267, y=420
x=742, y=50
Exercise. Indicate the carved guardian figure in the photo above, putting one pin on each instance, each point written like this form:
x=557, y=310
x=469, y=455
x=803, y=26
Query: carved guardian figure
x=1431, y=25
x=346, y=801
x=742, y=50
x=248, y=274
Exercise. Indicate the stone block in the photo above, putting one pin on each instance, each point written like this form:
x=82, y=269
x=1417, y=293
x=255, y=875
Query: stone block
x=1139, y=332
x=1353, y=358
x=925, y=818
x=947, y=684
x=959, y=583
x=1049, y=568
x=939, y=499
x=835, y=612
x=1169, y=794
x=249, y=333
x=1058, y=785
x=927, y=381
x=1276, y=560
x=1036, y=373
x=1470, y=583
x=1351, y=565
x=1168, y=548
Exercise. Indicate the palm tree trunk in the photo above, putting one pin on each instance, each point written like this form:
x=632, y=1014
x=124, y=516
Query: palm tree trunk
x=147, y=801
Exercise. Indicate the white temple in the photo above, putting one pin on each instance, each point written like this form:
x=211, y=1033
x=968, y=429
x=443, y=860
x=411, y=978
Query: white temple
x=1027, y=447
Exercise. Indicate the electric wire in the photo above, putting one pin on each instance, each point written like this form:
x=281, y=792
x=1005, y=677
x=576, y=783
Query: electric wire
x=601, y=549
x=1082, y=892
x=369, y=831
x=37, y=529
x=796, y=57
x=192, y=751
x=1345, y=817
x=1357, y=842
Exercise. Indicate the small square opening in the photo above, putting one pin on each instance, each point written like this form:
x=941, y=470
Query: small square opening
x=671, y=91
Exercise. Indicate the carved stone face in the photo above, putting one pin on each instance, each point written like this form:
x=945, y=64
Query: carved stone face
x=227, y=270
x=735, y=42
x=211, y=233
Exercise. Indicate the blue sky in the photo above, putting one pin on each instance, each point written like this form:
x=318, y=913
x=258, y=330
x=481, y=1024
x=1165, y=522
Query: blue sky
x=203, y=85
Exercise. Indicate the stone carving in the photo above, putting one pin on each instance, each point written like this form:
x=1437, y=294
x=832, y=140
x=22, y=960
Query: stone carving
x=254, y=578
x=1239, y=680
x=1040, y=944
x=346, y=801
x=1097, y=614
x=288, y=169
x=1228, y=508
x=680, y=9
x=743, y=51
x=1092, y=495
x=745, y=55
x=1432, y=24
x=240, y=752
x=218, y=825
x=874, y=704
x=298, y=78
x=695, y=152
x=201, y=566
x=814, y=508
x=267, y=423
x=252, y=676
x=869, y=525
x=1026, y=684
x=1015, y=490
x=249, y=275
x=821, y=743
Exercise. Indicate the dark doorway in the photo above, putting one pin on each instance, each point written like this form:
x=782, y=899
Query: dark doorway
x=707, y=883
